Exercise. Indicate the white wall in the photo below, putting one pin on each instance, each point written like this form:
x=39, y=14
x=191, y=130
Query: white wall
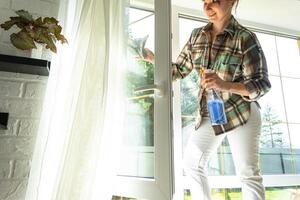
x=22, y=96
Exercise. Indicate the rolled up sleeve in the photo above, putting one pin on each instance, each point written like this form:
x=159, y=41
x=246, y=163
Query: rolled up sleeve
x=184, y=64
x=255, y=72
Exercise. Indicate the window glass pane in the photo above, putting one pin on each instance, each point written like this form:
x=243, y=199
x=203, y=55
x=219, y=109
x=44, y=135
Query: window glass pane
x=274, y=134
x=142, y=27
x=295, y=135
x=295, y=142
x=221, y=163
x=137, y=157
x=292, y=98
x=189, y=86
x=276, y=161
x=136, y=15
x=268, y=103
x=268, y=45
x=289, y=58
x=292, y=162
x=186, y=28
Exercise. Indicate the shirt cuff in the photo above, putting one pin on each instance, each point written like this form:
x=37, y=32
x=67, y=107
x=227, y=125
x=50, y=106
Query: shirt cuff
x=176, y=73
x=252, y=89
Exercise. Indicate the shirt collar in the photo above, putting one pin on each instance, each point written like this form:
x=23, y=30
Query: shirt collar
x=231, y=27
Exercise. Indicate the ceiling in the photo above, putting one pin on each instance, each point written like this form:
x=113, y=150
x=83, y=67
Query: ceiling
x=278, y=15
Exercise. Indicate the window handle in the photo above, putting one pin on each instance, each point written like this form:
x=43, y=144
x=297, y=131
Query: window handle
x=157, y=88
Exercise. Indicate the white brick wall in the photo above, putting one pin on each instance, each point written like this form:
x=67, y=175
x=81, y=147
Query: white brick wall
x=22, y=96
x=42, y=8
x=13, y=189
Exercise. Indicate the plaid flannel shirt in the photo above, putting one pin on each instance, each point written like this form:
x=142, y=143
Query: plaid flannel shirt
x=236, y=56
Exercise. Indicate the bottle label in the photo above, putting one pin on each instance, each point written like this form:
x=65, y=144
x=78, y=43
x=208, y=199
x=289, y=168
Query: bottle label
x=216, y=112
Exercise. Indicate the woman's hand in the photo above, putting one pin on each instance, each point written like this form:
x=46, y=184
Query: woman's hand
x=213, y=81
x=147, y=56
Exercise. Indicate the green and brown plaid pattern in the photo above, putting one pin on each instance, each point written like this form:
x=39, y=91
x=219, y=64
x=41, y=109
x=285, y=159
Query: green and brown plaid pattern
x=236, y=56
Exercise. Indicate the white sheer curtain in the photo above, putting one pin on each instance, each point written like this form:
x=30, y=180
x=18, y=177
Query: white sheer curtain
x=77, y=144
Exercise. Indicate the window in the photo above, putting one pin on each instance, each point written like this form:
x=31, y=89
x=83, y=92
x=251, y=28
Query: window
x=280, y=142
x=145, y=166
x=138, y=137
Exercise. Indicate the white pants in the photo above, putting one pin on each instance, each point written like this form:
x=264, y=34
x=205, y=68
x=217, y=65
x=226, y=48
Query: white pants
x=244, y=145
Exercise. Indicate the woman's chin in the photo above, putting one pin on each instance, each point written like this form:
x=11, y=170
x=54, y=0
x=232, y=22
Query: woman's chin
x=212, y=18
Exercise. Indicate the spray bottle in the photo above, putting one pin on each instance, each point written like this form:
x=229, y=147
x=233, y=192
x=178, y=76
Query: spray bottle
x=215, y=106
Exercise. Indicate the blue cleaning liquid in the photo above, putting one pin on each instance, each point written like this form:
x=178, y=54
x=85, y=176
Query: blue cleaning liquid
x=216, y=112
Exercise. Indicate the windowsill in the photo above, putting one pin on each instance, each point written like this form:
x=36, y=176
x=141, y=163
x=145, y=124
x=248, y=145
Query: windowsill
x=24, y=65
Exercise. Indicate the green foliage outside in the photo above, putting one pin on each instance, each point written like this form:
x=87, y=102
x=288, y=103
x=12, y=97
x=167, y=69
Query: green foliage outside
x=141, y=77
x=139, y=74
x=235, y=194
x=291, y=193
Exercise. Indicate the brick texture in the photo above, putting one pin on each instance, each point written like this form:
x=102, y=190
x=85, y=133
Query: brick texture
x=13, y=189
x=21, y=95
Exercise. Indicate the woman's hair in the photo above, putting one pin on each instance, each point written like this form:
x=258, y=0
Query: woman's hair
x=236, y=3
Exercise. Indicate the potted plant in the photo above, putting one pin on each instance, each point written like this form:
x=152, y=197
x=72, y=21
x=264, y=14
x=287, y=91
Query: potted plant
x=34, y=32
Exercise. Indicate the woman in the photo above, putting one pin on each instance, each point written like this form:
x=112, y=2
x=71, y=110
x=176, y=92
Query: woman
x=240, y=75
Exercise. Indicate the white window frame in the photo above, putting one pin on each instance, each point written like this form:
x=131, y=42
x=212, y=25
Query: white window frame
x=161, y=186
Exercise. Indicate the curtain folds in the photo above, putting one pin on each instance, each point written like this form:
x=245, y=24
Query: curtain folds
x=76, y=150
